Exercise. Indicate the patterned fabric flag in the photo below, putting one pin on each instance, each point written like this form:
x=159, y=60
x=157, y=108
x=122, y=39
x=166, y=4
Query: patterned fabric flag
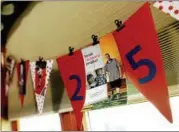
x=96, y=79
x=10, y=66
x=72, y=71
x=22, y=73
x=169, y=7
x=40, y=75
x=140, y=53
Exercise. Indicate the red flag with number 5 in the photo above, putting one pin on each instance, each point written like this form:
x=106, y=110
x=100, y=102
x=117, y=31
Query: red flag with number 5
x=140, y=52
x=72, y=71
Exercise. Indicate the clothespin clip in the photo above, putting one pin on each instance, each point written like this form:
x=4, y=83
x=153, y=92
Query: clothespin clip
x=95, y=39
x=119, y=25
x=70, y=49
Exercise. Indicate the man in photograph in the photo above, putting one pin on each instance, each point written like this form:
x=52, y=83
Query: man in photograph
x=114, y=72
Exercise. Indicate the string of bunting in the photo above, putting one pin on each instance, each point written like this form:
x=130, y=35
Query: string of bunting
x=87, y=76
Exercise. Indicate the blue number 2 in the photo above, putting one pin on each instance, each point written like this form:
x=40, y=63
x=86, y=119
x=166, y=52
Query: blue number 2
x=75, y=96
x=142, y=62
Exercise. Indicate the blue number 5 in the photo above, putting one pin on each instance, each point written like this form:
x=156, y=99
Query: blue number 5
x=142, y=62
x=75, y=95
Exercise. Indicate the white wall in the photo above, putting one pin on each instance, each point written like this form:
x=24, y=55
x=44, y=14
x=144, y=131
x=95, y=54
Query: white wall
x=48, y=122
x=5, y=125
x=138, y=117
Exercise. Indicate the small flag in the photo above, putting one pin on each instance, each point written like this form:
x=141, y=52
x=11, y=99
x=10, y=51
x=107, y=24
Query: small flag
x=40, y=71
x=169, y=7
x=10, y=66
x=4, y=98
x=140, y=52
x=22, y=73
x=72, y=71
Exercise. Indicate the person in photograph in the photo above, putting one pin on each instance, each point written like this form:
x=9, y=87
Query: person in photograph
x=100, y=77
x=91, y=81
x=113, y=70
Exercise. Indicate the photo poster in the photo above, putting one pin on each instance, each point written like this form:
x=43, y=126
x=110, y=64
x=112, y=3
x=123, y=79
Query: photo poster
x=109, y=71
x=96, y=82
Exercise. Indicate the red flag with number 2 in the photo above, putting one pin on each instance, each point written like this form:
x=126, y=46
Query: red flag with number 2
x=72, y=71
x=140, y=52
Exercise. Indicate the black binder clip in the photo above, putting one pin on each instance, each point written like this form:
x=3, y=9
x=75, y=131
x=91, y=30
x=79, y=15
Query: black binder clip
x=40, y=64
x=9, y=59
x=95, y=39
x=119, y=25
x=70, y=49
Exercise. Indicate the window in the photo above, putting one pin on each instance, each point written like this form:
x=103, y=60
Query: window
x=50, y=122
x=142, y=116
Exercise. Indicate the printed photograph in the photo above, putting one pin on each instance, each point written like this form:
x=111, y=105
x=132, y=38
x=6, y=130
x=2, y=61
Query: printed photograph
x=112, y=73
x=96, y=78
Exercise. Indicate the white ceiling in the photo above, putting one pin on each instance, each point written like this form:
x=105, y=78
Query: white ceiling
x=50, y=27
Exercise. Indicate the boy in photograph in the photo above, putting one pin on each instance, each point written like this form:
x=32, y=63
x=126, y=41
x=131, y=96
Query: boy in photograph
x=100, y=78
x=91, y=81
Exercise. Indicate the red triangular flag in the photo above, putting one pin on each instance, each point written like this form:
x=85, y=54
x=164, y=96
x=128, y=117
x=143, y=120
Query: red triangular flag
x=22, y=73
x=4, y=98
x=140, y=53
x=22, y=100
x=72, y=71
